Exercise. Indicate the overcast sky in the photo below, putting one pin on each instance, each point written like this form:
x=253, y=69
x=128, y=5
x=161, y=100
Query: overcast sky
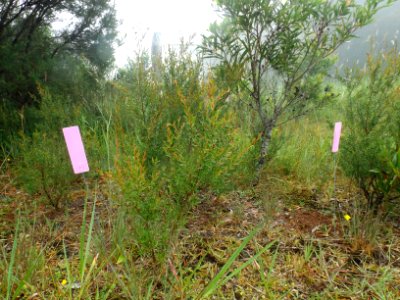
x=172, y=18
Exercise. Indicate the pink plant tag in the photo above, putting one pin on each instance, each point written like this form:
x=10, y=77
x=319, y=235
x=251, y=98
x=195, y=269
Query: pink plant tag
x=336, y=137
x=76, y=151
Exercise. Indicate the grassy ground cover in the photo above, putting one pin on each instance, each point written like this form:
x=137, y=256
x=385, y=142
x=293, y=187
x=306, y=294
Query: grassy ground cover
x=301, y=251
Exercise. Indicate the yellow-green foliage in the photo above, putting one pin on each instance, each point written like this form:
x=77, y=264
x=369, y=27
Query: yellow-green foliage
x=204, y=147
x=149, y=215
x=201, y=151
x=44, y=167
x=42, y=163
x=173, y=138
x=371, y=109
x=302, y=149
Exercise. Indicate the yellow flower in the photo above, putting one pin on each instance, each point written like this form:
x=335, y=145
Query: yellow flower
x=347, y=217
x=64, y=282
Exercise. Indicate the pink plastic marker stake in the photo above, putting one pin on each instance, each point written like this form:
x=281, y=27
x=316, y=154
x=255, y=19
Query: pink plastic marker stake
x=76, y=150
x=336, y=137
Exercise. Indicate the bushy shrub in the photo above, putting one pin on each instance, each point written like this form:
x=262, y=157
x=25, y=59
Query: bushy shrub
x=43, y=166
x=42, y=163
x=174, y=139
x=206, y=150
x=149, y=214
x=371, y=141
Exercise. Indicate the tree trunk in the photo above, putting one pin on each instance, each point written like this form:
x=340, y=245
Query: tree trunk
x=265, y=143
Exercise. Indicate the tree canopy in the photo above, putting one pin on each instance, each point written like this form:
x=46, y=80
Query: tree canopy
x=30, y=47
x=278, y=48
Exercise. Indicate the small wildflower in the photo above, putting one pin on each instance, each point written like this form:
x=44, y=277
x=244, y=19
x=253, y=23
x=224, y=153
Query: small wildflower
x=347, y=217
x=64, y=282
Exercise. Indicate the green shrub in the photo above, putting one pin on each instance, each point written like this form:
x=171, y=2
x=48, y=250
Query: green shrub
x=42, y=163
x=10, y=124
x=149, y=213
x=205, y=149
x=371, y=141
x=43, y=166
x=173, y=140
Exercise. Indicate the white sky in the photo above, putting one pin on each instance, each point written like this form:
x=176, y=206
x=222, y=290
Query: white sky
x=174, y=19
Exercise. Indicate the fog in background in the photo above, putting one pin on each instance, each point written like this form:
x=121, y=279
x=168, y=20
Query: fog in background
x=383, y=32
x=174, y=19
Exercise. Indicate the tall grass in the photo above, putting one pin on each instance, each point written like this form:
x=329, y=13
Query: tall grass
x=10, y=279
x=302, y=149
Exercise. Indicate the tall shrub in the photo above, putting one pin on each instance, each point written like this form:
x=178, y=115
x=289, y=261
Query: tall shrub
x=42, y=163
x=175, y=139
x=371, y=143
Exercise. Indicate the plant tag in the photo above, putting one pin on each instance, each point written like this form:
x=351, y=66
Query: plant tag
x=336, y=137
x=76, y=151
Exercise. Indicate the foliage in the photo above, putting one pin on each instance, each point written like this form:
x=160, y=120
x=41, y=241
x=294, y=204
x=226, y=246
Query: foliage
x=42, y=168
x=300, y=148
x=9, y=118
x=42, y=163
x=371, y=144
x=91, y=30
x=205, y=152
x=160, y=147
x=149, y=213
x=161, y=140
x=20, y=71
x=283, y=43
x=381, y=34
x=30, y=48
x=174, y=139
x=75, y=78
x=142, y=110
x=156, y=112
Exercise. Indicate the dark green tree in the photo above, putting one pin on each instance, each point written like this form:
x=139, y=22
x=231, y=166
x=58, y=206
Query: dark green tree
x=280, y=46
x=30, y=48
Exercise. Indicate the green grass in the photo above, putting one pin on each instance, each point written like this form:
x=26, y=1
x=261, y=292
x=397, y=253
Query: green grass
x=303, y=151
x=99, y=262
x=10, y=279
x=223, y=277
